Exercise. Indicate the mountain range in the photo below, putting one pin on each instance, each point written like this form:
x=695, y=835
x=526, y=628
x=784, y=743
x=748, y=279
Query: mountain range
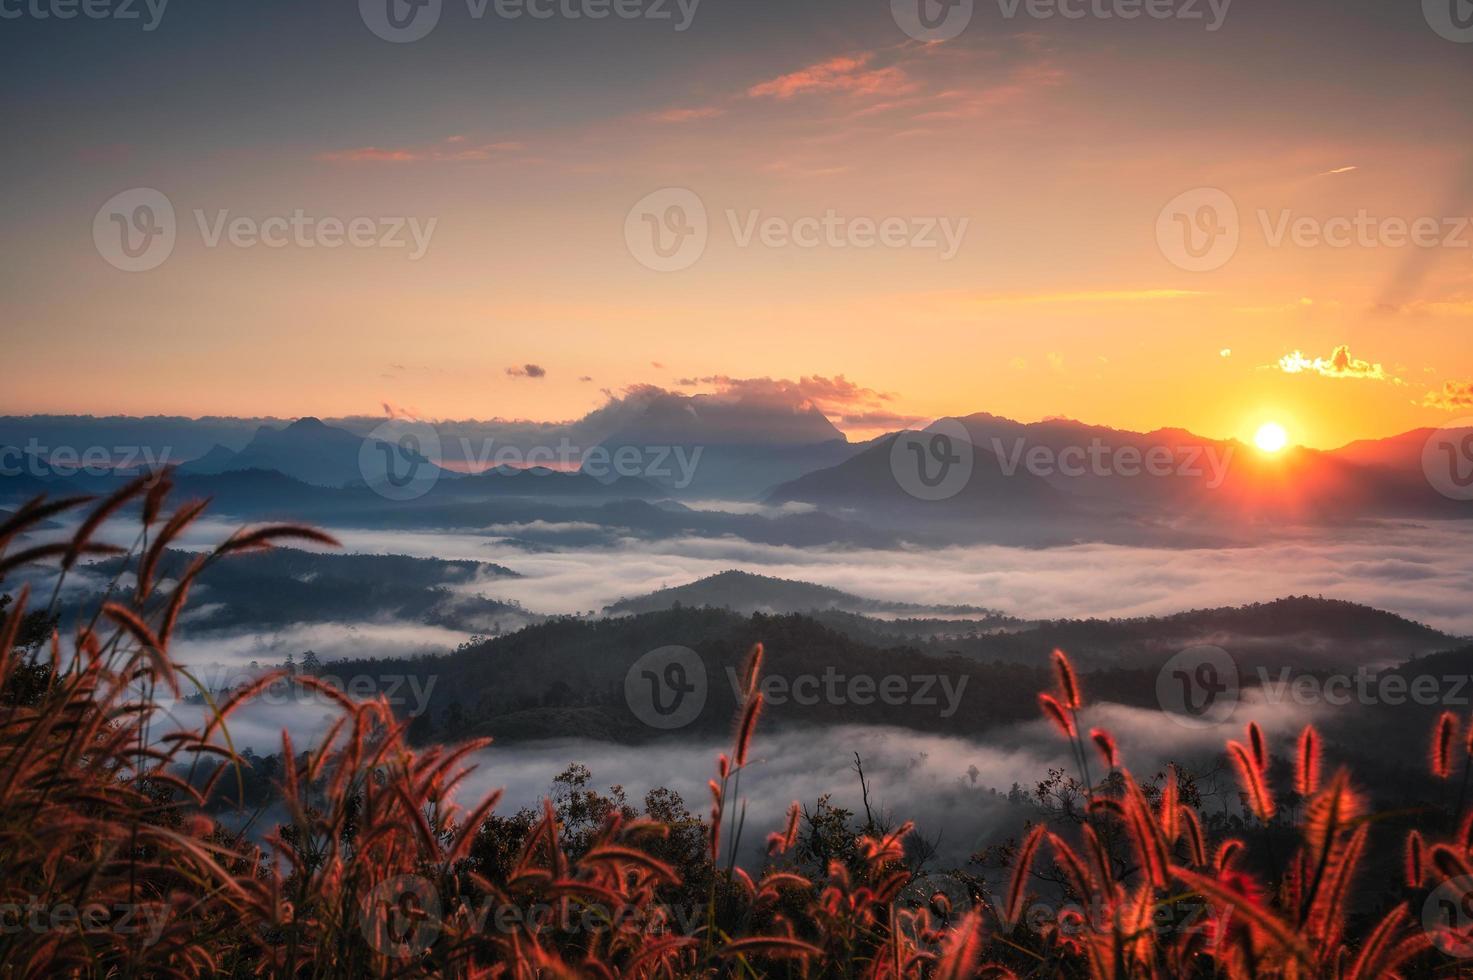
x=1049, y=482
x=747, y=593
x=566, y=677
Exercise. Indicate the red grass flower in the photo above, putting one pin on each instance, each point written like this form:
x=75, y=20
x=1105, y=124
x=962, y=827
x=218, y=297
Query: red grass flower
x=1442, y=744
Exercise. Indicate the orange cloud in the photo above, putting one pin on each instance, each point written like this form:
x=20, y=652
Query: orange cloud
x=1338, y=365
x=687, y=115
x=832, y=396
x=457, y=153
x=847, y=74
x=1454, y=396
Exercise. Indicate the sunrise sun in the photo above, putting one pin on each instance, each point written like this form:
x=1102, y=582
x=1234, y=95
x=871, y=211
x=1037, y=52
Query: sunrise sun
x=1271, y=437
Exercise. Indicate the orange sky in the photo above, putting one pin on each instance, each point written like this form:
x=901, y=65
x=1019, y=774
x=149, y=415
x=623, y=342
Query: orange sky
x=1059, y=149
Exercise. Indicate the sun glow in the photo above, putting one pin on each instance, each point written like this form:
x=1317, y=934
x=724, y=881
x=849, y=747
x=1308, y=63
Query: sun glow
x=1271, y=437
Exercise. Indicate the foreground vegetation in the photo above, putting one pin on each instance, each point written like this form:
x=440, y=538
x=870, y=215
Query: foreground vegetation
x=376, y=867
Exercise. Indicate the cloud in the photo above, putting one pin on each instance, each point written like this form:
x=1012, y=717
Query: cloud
x=1338, y=170
x=836, y=396
x=1454, y=396
x=451, y=150
x=527, y=371
x=1338, y=365
x=881, y=420
x=686, y=115
x=790, y=168
x=845, y=74
x=1418, y=572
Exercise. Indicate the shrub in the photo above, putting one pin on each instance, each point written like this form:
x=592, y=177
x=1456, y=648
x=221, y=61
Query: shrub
x=375, y=870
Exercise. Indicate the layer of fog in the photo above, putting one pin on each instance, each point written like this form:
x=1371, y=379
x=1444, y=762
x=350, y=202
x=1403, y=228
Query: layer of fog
x=330, y=641
x=954, y=788
x=1419, y=571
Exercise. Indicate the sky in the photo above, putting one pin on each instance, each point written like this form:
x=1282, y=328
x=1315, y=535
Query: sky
x=1189, y=220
